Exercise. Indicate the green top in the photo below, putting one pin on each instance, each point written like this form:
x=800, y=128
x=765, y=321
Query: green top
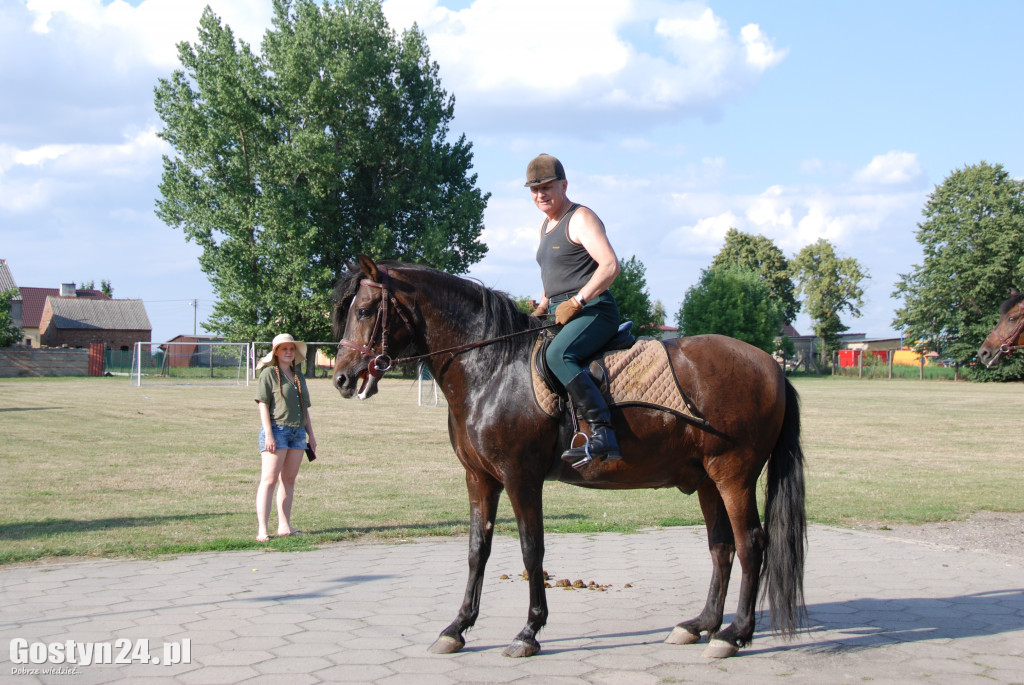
x=289, y=412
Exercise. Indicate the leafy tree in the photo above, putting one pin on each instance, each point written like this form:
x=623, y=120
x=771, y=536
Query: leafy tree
x=760, y=255
x=9, y=333
x=830, y=285
x=973, y=240
x=732, y=301
x=105, y=287
x=331, y=141
x=658, y=311
x=630, y=292
x=525, y=304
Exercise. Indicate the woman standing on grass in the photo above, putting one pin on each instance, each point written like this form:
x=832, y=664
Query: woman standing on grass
x=285, y=430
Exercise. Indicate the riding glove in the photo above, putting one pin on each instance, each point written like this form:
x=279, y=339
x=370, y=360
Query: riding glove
x=567, y=310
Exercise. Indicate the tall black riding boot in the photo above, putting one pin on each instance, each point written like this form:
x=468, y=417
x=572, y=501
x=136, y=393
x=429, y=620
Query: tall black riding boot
x=591, y=406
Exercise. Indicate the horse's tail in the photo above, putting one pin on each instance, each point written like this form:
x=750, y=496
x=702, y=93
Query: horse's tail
x=785, y=524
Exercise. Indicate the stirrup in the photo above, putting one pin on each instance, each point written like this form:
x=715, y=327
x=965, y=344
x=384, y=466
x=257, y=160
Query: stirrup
x=586, y=449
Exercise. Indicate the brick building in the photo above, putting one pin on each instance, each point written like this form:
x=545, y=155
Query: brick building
x=191, y=350
x=78, y=322
x=34, y=301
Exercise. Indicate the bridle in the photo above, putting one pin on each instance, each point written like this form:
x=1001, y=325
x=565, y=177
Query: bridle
x=382, y=363
x=1006, y=346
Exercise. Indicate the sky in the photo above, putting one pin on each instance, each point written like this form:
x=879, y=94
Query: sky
x=675, y=122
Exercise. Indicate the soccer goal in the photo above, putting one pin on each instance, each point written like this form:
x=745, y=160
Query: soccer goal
x=426, y=389
x=199, y=361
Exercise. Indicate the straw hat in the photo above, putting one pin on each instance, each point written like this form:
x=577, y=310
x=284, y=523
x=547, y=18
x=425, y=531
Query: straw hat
x=283, y=338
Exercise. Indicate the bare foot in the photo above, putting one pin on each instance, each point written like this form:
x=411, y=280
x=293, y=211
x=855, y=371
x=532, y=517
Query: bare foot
x=262, y=538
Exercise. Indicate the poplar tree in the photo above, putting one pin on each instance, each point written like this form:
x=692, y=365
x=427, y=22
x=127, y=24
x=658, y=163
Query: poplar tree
x=830, y=285
x=332, y=140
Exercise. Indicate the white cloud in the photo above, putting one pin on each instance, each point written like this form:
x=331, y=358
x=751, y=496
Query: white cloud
x=892, y=168
x=11, y=157
x=640, y=57
x=148, y=32
x=33, y=178
x=701, y=27
x=761, y=54
x=140, y=150
x=703, y=238
x=495, y=45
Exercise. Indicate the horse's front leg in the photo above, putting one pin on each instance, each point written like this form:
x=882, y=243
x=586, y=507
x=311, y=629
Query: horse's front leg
x=528, y=507
x=484, y=493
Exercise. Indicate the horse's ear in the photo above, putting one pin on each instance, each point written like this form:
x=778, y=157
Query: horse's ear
x=1013, y=292
x=369, y=268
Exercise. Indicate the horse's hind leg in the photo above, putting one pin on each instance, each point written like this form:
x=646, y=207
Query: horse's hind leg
x=484, y=493
x=722, y=547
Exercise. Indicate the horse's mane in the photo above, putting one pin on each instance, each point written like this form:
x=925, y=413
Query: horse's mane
x=1011, y=302
x=496, y=313
x=344, y=290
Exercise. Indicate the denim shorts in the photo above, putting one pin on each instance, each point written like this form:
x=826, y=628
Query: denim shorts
x=286, y=437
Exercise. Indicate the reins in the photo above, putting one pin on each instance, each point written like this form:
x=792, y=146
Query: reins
x=382, y=363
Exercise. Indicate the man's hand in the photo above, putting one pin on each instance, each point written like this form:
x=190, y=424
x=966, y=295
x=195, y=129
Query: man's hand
x=567, y=310
x=540, y=311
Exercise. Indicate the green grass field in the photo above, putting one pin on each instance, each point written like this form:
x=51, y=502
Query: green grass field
x=95, y=467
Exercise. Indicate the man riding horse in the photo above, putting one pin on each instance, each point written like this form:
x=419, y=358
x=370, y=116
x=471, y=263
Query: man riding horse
x=577, y=266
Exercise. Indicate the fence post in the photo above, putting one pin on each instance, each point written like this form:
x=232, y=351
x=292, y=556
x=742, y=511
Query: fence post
x=860, y=365
x=920, y=360
x=891, y=355
x=96, y=355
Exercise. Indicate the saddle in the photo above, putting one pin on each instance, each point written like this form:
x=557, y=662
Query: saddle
x=628, y=371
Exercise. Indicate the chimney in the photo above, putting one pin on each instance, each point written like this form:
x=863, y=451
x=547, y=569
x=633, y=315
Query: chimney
x=67, y=290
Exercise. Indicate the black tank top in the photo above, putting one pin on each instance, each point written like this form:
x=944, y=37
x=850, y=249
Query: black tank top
x=565, y=266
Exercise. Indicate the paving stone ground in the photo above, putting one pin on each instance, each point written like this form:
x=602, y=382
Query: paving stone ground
x=882, y=610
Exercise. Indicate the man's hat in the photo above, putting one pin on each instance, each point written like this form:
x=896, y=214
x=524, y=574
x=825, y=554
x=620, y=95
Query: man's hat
x=543, y=168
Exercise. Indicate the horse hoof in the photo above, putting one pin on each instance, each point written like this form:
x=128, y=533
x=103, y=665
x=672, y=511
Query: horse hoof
x=520, y=648
x=446, y=645
x=720, y=649
x=681, y=636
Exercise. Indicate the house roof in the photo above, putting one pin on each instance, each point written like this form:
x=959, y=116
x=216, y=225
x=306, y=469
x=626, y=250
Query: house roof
x=108, y=315
x=7, y=280
x=189, y=337
x=34, y=299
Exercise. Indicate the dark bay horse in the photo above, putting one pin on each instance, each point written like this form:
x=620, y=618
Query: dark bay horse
x=506, y=443
x=1008, y=335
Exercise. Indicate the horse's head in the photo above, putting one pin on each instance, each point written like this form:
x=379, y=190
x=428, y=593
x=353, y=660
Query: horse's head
x=371, y=323
x=1008, y=335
